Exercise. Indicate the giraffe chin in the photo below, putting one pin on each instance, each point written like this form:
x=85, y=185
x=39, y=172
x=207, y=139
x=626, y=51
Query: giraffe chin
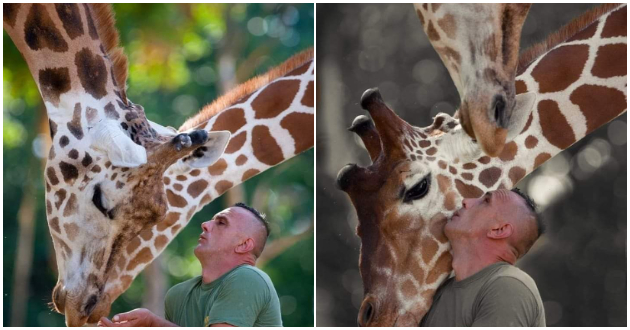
x=491, y=139
x=75, y=318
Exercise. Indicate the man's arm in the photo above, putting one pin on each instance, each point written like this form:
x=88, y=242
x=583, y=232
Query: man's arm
x=506, y=302
x=140, y=317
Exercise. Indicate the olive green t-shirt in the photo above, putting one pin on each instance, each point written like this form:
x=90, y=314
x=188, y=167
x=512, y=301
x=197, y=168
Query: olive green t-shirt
x=243, y=297
x=498, y=295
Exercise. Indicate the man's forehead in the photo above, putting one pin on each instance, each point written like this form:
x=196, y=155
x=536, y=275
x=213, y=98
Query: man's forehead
x=233, y=213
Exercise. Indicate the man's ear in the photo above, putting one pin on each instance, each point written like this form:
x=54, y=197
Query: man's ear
x=501, y=231
x=246, y=246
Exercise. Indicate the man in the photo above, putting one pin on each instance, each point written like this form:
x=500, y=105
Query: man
x=230, y=290
x=488, y=235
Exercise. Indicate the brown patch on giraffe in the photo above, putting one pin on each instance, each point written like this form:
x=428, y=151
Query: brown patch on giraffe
x=72, y=230
x=469, y=166
x=529, y=122
x=178, y=187
x=230, y=120
x=240, y=160
x=91, y=114
x=218, y=167
x=143, y=257
x=509, y=151
x=71, y=206
x=131, y=115
x=531, y=142
x=190, y=213
x=611, y=61
x=585, y=34
x=87, y=160
x=466, y=190
x=307, y=99
x=96, y=169
x=52, y=176
x=181, y=178
x=265, y=147
x=424, y=143
x=467, y=176
x=92, y=72
x=53, y=129
x=66, y=249
x=443, y=266
x=301, y=127
x=555, y=127
x=299, y=70
x=174, y=199
x=40, y=31
x=63, y=141
x=444, y=183
x=160, y=242
x=91, y=27
x=431, y=151
x=205, y=200
x=10, y=11
x=490, y=47
x=195, y=172
x=175, y=229
x=408, y=289
x=442, y=164
x=540, y=159
x=447, y=24
x=133, y=245
x=516, y=174
x=47, y=187
x=48, y=207
x=236, y=142
x=429, y=248
x=60, y=196
x=249, y=173
x=222, y=186
x=146, y=234
x=420, y=16
x=560, y=68
x=428, y=158
x=275, y=98
x=435, y=6
x=120, y=264
x=484, y=160
x=196, y=188
x=54, y=224
x=110, y=111
x=520, y=87
x=74, y=154
x=52, y=83
x=170, y=219
x=70, y=18
x=489, y=176
x=166, y=181
x=51, y=152
x=69, y=172
x=449, y=200
x=98, y=258
x=608, y=102
x=616, y=24
x=450, y=54
x=74, y=126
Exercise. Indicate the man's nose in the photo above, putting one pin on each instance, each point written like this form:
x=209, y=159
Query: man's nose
x=468, y=202
x=205, y=226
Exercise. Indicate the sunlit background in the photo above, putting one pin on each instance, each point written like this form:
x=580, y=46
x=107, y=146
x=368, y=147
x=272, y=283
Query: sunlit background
x=181, y=56
x=579, y=265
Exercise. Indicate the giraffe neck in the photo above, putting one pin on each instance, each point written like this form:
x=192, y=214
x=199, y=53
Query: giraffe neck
x=272, y=124
x=69, y=62
x=580, y=85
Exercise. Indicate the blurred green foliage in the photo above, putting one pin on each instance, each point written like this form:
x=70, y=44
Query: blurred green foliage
x=175, y=56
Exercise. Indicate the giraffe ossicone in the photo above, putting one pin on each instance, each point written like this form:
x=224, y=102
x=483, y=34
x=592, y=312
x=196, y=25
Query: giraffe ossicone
x=419, y=175
x=119, y=187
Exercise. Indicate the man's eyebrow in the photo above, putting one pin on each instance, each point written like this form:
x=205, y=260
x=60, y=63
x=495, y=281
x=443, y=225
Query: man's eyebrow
x=221, y=217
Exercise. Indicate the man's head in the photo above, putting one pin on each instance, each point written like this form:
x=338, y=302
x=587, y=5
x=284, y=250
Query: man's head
x=504, y=221
x=238, y=232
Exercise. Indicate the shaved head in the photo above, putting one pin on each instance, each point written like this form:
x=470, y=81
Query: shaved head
x=257, y=227
x=527, y=222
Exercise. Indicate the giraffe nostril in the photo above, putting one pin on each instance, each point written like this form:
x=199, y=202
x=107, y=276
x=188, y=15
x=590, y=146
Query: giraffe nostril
x=59, y=298
x=366, y=314
x=500, y=115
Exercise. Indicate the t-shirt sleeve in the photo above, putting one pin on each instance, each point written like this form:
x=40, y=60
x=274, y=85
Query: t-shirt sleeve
x=242, y=297
x=506, y=302
x=168, y=305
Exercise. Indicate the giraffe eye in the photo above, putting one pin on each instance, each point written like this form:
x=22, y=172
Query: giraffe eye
x=99, y=200
x=418, y=190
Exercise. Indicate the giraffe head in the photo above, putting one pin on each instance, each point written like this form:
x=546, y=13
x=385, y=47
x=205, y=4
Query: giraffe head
x=479, y=44
x=101, y=192
x=403, y=200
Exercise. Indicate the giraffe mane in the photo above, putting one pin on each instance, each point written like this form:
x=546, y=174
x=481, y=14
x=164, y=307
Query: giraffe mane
x=105, y=23
x=246, y=88
x=533, y=52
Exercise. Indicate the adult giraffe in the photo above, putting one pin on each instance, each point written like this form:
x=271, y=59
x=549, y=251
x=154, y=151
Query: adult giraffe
x=479, y=44
x=119, y=187
x=419, y=175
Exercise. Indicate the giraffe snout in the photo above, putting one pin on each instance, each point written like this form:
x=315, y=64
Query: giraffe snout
x=59, y=298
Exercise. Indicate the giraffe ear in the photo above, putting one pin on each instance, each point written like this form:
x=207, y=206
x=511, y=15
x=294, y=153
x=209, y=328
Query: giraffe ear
x=109, y=138
x=522, y=109
x=210, y=152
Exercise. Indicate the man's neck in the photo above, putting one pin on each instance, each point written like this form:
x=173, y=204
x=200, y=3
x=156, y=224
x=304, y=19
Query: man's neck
x=214, y=269
x=468, y=261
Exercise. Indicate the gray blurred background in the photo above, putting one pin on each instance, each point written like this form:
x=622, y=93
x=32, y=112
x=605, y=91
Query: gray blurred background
x=579, y=264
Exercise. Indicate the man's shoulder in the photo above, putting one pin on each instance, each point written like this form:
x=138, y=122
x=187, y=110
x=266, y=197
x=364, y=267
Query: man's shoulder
x=249, y=276
x=184, y=286
x=507, y=273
